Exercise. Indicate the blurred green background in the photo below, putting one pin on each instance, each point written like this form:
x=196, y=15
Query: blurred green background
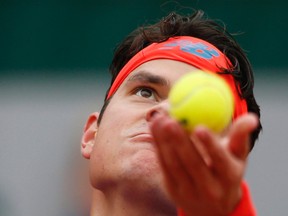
x=81, y=34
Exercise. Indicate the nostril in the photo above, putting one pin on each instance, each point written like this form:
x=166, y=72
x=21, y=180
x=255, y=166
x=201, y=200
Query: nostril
x=159, y=110
x=152, y=114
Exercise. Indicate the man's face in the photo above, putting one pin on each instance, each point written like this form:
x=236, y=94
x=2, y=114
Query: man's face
x=124, y=151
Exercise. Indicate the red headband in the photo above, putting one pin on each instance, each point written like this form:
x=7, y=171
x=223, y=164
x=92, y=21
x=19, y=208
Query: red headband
x=190, y=50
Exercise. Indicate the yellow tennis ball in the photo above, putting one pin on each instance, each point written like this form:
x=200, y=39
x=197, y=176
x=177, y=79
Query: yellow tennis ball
x=201, y=98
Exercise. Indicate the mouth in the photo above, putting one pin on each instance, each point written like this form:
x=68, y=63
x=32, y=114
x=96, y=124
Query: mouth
x=142, y=137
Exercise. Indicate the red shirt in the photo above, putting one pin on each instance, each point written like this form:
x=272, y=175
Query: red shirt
x=245, y=206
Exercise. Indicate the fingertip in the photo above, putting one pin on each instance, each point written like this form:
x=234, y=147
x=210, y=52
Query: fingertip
x=240, y=134
x=163, y=125
x=155, y=119
x=201, y=132
x=254, y=119
x=250, y=120
x=206, y=136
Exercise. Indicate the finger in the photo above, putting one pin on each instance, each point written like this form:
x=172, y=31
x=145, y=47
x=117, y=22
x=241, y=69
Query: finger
x=184, y=151
x=212, y=145
x=222, y=164
x=239, y=133
x=172, y=168
x=192, y=156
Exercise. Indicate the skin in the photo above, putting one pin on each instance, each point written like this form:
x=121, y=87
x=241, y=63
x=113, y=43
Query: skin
x=143, y=163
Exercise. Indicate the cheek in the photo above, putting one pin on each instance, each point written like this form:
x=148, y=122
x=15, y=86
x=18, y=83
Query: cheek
x=113, y=153
x=117, y=112
x=107, y=142
x=121, y=117
x=103, y=156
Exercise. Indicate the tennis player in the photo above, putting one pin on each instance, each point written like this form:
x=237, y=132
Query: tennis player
x=142, y=162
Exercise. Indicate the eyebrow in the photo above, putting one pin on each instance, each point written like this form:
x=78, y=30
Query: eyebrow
x=147, y=77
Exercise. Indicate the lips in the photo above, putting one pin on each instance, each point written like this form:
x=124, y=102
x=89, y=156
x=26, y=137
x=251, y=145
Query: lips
x=142, y=137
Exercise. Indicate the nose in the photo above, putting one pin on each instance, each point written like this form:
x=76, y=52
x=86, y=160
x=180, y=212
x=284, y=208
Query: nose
x=160, y=108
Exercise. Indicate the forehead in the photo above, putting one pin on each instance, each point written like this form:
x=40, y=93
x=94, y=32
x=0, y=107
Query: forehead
x=170, y=70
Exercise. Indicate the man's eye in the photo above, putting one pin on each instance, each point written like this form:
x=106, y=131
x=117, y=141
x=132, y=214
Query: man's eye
x=146, y=93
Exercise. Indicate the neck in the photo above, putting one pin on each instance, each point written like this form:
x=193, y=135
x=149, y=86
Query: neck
x=131, y=201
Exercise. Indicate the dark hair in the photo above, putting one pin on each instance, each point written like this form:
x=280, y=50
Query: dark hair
x=196, y=25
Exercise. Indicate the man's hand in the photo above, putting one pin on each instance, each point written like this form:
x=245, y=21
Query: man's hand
x=203, y=170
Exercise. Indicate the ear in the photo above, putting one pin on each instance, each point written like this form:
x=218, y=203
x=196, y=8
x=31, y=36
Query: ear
x=90, y=131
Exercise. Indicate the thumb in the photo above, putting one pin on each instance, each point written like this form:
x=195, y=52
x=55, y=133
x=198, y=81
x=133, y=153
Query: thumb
x=240, y=135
